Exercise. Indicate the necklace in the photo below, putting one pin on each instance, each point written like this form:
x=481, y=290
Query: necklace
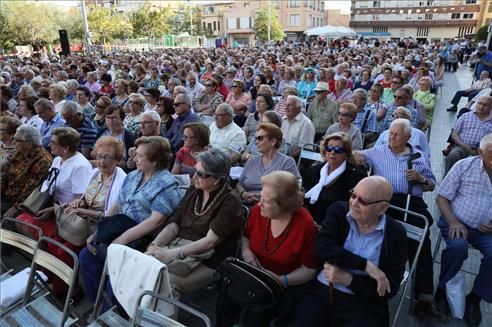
x=207, y=208
x=276, y=246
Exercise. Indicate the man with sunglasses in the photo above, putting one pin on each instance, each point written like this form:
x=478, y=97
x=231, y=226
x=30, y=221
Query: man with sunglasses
x=402, y=99
x=388, y=95
x=364, y=256
x=182, y=107
x=392, y=162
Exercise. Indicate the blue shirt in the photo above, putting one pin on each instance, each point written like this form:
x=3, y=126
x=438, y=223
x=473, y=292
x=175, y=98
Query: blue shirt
x=487, y=57
x=370, y=113
x=367, y=246
x=47, y=127
x=160, y=193
x=388, y=119
x=175, y=134
x=418, y=141
x=88, y=134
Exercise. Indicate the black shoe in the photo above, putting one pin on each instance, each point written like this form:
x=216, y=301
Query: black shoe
x=452, y=109
x=473, y=315
x=429, y=309
x=442, y=304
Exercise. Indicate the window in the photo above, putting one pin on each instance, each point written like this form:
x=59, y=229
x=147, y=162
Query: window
x=244, y=23
x=231, y=23
x=209, y=27
x=204, y=25
x=310, y=20
x=468, y=16
x=218, y=25
x=380, y=29
x=490, y=7
x=470, y=2
x=422, y=31
x=456, y=16
x=294, y=4
x=428, y=16
x=215, y=26
x=294, y=20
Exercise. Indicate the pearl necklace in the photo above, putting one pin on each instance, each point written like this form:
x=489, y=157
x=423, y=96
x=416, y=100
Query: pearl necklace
x=207, y=208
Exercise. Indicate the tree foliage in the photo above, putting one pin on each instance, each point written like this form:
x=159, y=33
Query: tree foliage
x=183, y=22
x=149, y=21
x=482, y=33
x=106, y=25
x=261, y=25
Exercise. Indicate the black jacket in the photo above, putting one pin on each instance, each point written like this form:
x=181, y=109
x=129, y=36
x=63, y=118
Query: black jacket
x=338, y=190
x=329, y=248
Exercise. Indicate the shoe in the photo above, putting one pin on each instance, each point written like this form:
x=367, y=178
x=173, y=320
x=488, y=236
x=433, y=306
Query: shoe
x=452, y=109
x=442, y=304
x=473, y=314
x=429, y=309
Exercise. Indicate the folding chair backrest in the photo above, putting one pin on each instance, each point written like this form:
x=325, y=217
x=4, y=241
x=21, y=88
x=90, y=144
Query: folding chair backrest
x=16, y=239
x=309, y=152
x=146, y=317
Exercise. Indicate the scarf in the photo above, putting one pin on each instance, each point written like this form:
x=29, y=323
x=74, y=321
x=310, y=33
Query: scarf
x=324, y=179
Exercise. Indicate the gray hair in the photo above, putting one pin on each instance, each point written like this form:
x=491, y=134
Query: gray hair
x=181, y=90
x=44, y=104
x=215, y=162
x=183, y=96
x=71, y=107
x=405, y=123
x=152, y=114
x=71, y=83
x=175, y=80
x=227, y=108
x=29, y=134
x=361, y=92
x=299, y=103
x=92, y=74
x=485, y=142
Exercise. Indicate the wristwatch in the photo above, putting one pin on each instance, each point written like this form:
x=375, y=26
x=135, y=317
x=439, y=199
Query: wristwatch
x=180, y=254
x=425, y=181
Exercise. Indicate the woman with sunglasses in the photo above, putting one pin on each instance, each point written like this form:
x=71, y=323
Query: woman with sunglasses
x=204, y=229
x=331, y=180
x=346, y=115
x=268, y=141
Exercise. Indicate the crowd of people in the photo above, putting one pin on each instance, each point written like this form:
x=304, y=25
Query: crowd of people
x=123, y=131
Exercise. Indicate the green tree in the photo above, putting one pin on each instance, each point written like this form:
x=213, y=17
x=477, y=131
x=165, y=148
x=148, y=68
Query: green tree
x=261, y=25
x=72, y=22
x=149, y=21
x=107, y=25
x=482, y=33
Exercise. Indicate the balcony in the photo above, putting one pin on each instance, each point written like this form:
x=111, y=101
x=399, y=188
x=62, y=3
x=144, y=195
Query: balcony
x=416, y=9
x=413, y=23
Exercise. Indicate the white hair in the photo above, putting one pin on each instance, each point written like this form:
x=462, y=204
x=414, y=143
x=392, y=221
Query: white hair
x=485, y=142
x=71, y=107
x=405, y=123
x=152, y=114
x=299, y=103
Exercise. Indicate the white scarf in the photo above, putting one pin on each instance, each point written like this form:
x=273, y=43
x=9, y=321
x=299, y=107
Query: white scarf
x=324, y=179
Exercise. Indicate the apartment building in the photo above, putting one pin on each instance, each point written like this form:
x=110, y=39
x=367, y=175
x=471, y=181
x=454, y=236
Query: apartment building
x=335, y=17
x=423, y=20
x=297, y=16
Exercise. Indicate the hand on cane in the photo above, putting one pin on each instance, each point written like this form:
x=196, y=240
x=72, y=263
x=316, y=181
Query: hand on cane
x=377, y=274
x=336, y=275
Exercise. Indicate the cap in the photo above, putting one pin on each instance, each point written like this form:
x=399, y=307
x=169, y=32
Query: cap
x=322, y=86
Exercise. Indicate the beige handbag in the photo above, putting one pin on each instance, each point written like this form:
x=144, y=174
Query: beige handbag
x=183, y=267
x=72, y=227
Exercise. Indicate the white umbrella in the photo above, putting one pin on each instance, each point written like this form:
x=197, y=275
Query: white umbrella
x=331, y=31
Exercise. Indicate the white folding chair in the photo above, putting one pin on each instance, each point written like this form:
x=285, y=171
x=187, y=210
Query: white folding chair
x=145, y=317
x=40, y=311
x=310, y=152
x=417, y=234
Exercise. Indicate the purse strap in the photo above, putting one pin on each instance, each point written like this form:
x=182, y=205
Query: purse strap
x=52, y=176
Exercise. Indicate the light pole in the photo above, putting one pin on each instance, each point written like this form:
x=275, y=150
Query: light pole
x=269, y=19
x=191, y=18
x=86, y=28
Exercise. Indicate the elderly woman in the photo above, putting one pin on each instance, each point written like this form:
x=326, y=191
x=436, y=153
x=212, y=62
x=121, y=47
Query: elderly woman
x=28, y=113
x=268, y=141
x=365, y=80
x=99, y=121
x=196, y=138
x=132, y=120
x=282, y=103
x=25, y=170
x=83, y=98
x=193, y=88
x=8, y=127
x=342, y=93
x=280, y=234
x=424, y=96
x=92, y=83
x=141, y=76
x=208, y=101
x=152, y=97
x=165, y=109
x=237, y=96
x=57, y=96
x=331, y=180
x=149, y=196
x=305, y=88
x=204, y=229
x=264, y=102
x=120, y=92
x=346, y=115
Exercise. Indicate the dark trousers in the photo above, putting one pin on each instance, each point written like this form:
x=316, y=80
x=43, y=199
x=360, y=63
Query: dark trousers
x=458, y=95
x=349, y=310
x=424, y=282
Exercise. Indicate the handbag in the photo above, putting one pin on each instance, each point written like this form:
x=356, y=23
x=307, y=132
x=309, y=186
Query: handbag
x=38, y=199
x=247, y=294
x=183, y=267
x=72, y=227
x=110, y=228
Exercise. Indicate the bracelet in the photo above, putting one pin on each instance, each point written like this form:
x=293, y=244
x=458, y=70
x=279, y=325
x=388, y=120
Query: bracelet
x=285, y=280
x=241, y=194
x=180, y=254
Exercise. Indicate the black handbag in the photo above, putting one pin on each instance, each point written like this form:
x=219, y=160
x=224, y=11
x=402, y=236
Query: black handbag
x=247, y=295
x=38, y=199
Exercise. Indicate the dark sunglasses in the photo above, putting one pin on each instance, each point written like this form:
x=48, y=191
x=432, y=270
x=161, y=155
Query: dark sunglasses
x=178, y=103
x=363, y=202
x=396, y=82
x=399, y=97
x=345, y=114
x=235, y=86
x=202, y=174
x=337, y=149
x=260, y=137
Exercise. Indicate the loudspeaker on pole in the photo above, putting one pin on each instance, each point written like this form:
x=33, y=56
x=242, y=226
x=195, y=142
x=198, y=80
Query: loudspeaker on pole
x=65, y=45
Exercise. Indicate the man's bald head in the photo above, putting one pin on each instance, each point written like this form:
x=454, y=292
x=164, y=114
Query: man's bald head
x=379, y=187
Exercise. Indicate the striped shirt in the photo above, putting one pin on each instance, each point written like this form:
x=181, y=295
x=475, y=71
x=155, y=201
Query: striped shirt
x=471, y=129
x=468, y=188
x=88, y=134
x=393, y=167
x=370, y=126
x=388, y=119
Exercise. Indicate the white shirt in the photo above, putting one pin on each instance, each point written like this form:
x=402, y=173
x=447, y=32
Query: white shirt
x=34, y=121
x=73, y=179
x=228, y=138
x=298, y=132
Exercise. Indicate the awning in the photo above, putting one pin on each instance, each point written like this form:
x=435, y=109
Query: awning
x=373, y=34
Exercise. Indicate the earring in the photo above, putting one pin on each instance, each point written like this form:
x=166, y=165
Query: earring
x=216, y=183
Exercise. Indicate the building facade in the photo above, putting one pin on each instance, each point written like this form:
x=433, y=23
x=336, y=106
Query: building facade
x=422, y=20
x=335, y=17
x=297, y=16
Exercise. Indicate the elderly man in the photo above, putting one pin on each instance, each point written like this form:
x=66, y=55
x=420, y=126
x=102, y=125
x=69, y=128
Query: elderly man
x=225, y=134
x=341, y=93
x=365, y=120
x=75, y=118
x=388, y=95
x=182, y=107
x=402, y=99
x=208, y=101
x=485, y=61
x=469, y=130
x=193, y=88
x=391, y=161
x=464, y=199
x=322, y=111
x=477, y=86
x=364, y=256
x=149, y=126
x=296, y=127
x=51, y=119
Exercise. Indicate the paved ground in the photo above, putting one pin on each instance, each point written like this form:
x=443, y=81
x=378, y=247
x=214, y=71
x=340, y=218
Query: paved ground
x=442, y=122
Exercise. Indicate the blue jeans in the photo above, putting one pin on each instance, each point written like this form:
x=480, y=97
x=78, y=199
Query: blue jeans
x=456, y=252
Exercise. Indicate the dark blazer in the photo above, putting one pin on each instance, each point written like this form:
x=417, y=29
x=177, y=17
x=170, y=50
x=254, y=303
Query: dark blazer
x=329, y=248
x=338, y=190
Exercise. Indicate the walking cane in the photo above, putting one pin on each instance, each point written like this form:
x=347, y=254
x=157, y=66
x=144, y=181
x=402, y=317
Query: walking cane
x=411, y=158
x=332, y=304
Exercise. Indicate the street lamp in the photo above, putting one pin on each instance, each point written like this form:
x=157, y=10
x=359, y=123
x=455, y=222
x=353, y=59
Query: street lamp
x=86, y=28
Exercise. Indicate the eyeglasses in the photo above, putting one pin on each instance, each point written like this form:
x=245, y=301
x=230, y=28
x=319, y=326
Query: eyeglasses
x=363, y=202
x=133, y=102
x=345, y=114
x=209, y=85
x=112, y=118
x=178, y=104
x=337, y=149
x=145, y=123
x=260, y=137
x=399, y=97
x=396, y=82
x=18, y=140
x=235, y=86
x=105, y=158
x=186, y=137
x=202, y=174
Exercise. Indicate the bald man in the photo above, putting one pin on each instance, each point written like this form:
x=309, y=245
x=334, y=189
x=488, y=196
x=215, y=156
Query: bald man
x=364, y=254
